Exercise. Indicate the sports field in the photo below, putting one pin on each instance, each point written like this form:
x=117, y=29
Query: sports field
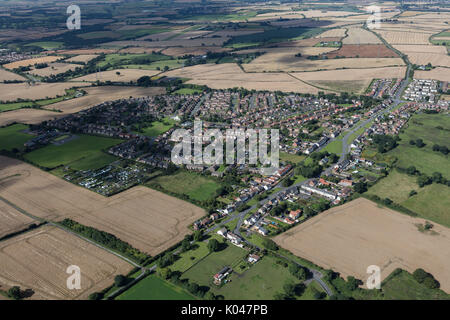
x=82, y=153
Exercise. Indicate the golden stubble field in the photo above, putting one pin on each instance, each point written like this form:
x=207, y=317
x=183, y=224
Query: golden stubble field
x=54, y=68
x=149, y=220
x=229, y=75
x=424, y=54
x=38, y=260
x=13, y=91
x=12, y=220
x=351, y=237
x=8, y=76
x=30, y=62
x=117, y=75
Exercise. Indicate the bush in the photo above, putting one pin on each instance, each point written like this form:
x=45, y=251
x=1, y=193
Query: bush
x=120, y=280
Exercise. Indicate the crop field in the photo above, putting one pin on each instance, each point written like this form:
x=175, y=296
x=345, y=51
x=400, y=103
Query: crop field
x=422, y=54
x=362, y=51
x=54, y=68
x=82, y=58
x=404, y=37
x=149, y=220
x=117, y=75
x=28, y=116
x=13, y=91
x=6, y=75
x=180, y=51
x=13, y=137
x=424, y=126
x=438, y=73
x=29, y=62
x=336, y=32
x=351, y=237
x=12, y=220
x=82, y=153
x=97, y=95
x=38, y=260
x=194, y=185
x=229, y=75
x=155, y=288
x=431, y=202
x=360, y=36
x=352, y=74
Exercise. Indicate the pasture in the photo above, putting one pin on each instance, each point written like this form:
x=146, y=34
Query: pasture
x=13, y=137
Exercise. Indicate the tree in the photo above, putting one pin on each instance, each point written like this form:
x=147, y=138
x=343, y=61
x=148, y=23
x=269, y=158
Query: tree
x=213, y=245
x=269, y=244
x=360, y=187
x=185, y=245
x=198, y=235
x=95, y=296
x=353, y=283
x=411, y=170
x=120, y=280
x=420, y=275
x=289, y=288
x=15, y=293
x=423, y=180
x=165, y=273
x=431, y=283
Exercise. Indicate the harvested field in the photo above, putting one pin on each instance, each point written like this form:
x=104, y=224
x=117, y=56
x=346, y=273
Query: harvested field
x=351, y=237
x=38, y=260
x=125, y=75
x=404, y=37
x=139, y=50
x=168, y=43
x=6, y=75
x=179, y=52
x=12, y=220
x=54, y=69
x=337, y=32
x=28, y=116
x=82, y=58
x=353, y=74
x=97, y=95
x=229, y=75
x=13, y=91
x=30, y=62
x=441, y=74
x=302, y=64
x=86, y=51
x=149, y=220
x=310, y=42
x=360, y=36
x=362, y=51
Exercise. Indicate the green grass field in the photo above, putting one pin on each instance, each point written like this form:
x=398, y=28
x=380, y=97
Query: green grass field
x=117, y=59
x=284, y=156
x=203, y=272
x=192, y=184
x=185, y=261
x=424, y=126
x=158, y=127
x=14, y=106
x=262, y=281
x=47, y=45
x=310, y=290
x=334, y=147
x=431, y=202
x=187, y=91
x=154, y=288
x=82, y=153
x=11, y=137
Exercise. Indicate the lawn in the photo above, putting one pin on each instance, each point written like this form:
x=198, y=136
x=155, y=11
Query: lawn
x=158, y=127
x=294, y=158
x=425, y=127
x=192, y=184
x=431, y=202
x=185, y=261
x=261, y=282
x=310, y=290
x=154, y=288
x=12, y=137
x=202, y=273
x=187, y=91
x=334, y=146
x=82, y=153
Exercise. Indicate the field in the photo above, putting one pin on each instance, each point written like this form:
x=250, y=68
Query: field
x=229, y=75
x=29, y=62
x=422, y=54
x=8, y=76
x=54, y=69
x=117, y=75
x=82, y=58
x=38, y=260
x=424, y=126
x=154, y=288
x=438, y=73
x=362, y=51
x=97, y=95
x=12, y=137
x=194, y=185
x=13, y=91
x=12, y=220
x=337, y=32
x=157, y=128
x=294, y=158
x=147, y=219
x=28, y=116
x=360, y=36
x=431, y=202
x=82, y=153
x=351, y=237
x=404, y=37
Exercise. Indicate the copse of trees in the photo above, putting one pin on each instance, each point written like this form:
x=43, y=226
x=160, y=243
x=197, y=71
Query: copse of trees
x=213, y=245
x=384, y=142
x=425, y=278
x=441, y=149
